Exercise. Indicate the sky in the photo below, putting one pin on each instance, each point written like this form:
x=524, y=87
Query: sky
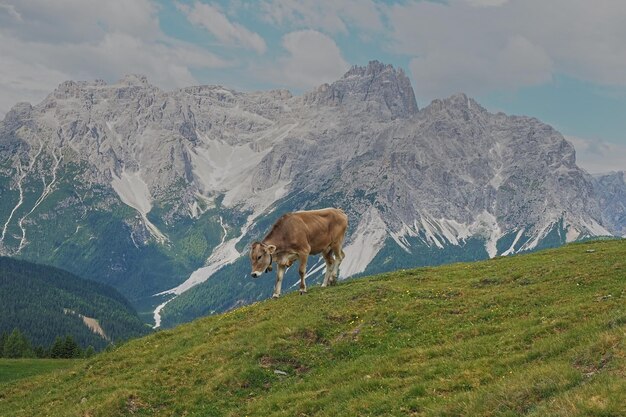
x=562, y=61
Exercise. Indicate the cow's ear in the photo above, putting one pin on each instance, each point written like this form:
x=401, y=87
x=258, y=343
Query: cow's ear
x=271, y=249
x=254, y=244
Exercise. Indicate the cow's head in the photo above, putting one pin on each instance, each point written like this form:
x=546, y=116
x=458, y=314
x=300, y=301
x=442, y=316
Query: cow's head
x=261, y=258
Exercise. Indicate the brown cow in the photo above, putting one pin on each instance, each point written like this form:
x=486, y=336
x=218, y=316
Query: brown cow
x=297, y=235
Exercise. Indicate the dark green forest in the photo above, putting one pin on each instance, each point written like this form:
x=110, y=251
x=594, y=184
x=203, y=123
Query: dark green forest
x=15, y=345
x=45, y=303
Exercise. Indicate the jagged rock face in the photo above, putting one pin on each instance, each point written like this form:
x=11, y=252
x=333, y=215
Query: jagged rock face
x=174, y=180
x=378, y=89
x=611, y=189
x=451, y=162
x=133, y=126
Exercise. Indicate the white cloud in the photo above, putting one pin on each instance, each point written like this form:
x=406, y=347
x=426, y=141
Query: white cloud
x=23, y=80
x=460, y=46
x=598, y=156
x=486, y=3
x=85, y=20
x=9, y=9
x=313, y=59
x=518, y=62
x=212, y=19
x=331, y=16
x=88, y=39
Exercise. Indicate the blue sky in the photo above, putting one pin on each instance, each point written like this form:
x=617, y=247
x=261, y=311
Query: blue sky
x=562, y=61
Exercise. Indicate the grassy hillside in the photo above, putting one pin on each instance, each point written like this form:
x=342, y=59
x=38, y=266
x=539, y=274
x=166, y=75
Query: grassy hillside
x=33, y=298
x=14, y=369
x=542, y=334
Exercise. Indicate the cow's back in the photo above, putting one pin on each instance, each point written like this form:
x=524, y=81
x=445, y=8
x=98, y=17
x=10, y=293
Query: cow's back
x=322, y=227
x=310, y=231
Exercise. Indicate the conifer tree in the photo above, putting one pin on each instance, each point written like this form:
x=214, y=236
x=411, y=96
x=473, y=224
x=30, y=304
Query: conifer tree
x=70, y=348
x=89, y=352
x=3, y=340
x=40, y=352
x=56, y=351
x=17, y=346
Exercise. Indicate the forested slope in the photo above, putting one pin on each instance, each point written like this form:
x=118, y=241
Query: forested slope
x=45, y=302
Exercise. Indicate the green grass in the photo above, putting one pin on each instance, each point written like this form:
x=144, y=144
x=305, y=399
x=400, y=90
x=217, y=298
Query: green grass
x=542, y=334
x=14, y=369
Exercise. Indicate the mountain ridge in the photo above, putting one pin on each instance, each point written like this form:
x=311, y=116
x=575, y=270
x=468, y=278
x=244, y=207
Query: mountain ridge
x=178, y=182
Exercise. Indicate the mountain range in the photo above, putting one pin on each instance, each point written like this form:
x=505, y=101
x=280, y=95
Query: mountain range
x=158, y=193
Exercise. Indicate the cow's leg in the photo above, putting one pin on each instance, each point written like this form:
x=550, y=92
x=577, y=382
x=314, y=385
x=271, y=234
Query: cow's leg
x=279, y=281
x=328, y=258
x=302, y=271
x=339, y=255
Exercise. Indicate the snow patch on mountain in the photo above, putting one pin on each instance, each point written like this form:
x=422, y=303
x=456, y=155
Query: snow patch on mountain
x=430, y=229
x=584, y=228
x=367, y=241
x=224, y=254
x=436, y=232
x=594, y=228
x=256, y=200
x=496, y=153
x=534, y=240
x=47, y=189
x=571, y=234
x=220, y=166
x=133, y=191
x=511, y=249
x=454, y=232
x=157, y=313
x=487, y=226
x=442, y=232
x=400, y=237
x=319, y=265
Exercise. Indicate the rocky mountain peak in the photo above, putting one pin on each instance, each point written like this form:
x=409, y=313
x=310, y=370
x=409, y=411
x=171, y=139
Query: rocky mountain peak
x=134, y=80
x=13, y=120
x=457, y=105
x=21, y=109
x=461, y=100
x=373, y=68
x=376, y=88
x=612, y=176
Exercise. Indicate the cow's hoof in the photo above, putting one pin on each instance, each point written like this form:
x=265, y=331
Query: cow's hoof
x=302, y=292
x=275, y=295
x=324, y=285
